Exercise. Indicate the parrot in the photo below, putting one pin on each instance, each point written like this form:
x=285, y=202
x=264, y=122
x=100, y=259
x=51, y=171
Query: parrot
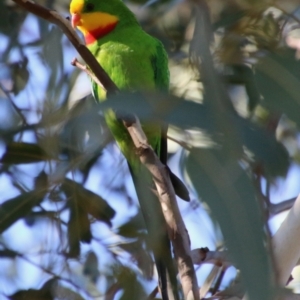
x=135, y=61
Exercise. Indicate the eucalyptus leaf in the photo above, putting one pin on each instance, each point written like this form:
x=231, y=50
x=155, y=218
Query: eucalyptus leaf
x=132, y=288
x=23, y=153
x=265, y=150
x=88, y=201
x=141, y=256
x=133, y=227
x=19, y=207
x=277, y=76
x=20, y=75
x=45, y=293
x=190, y=115
x=163, y=107
x=225, y=187
x=79, y=228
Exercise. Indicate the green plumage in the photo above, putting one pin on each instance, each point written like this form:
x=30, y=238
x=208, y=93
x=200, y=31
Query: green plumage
x=136, y=61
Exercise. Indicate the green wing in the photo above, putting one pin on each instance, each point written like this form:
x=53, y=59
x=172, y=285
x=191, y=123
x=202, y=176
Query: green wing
x=161, y=78
x=160, y=67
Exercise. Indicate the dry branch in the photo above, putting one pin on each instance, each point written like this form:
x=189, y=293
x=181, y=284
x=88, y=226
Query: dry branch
x=205, y=256
x=176, y=229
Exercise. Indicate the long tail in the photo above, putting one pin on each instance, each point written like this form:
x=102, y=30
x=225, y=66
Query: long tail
x=157, y=231
x=179, y=187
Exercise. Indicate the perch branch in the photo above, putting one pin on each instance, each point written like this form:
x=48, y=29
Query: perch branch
x=176, y=229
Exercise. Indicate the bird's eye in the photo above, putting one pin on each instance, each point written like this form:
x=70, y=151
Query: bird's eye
x=90, y=7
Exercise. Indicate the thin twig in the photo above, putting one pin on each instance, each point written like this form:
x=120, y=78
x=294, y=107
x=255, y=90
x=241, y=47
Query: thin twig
x=183, y=144
x=219, y=280
x=153, y=294
x=84, y=68
x=282, y=206
x=205, y=256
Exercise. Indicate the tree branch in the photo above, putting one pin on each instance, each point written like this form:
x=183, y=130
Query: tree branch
x=286, y=245
x=176, y=229
x=204, y=256
x=275, y=209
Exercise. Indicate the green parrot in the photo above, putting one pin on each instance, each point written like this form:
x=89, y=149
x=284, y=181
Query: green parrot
x=135, y=61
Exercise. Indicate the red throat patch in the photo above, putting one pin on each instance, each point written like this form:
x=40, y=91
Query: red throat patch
x=92, y=36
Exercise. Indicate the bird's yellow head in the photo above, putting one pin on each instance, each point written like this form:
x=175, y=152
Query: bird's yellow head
x=94, y=18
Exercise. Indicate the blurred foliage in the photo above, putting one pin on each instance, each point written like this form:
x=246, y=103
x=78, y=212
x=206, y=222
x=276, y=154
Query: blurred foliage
x=60, y=171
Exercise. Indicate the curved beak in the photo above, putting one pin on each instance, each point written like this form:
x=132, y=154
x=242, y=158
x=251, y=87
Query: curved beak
x=75, y=20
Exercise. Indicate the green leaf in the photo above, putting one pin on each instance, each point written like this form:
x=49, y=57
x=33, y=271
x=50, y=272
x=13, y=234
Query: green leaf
x=23, y=153
x=225, y=187
x=163, y=107
x=41, y=181
x=19, y=207
x=79, y=227
x=32, y=294
x=79, y=224
x=11, y=19
x=132, y=288
x=89, y=201
x=191, y=115
x=52, y=53
x=45, y=293
x=133, y=227
x=229, y=18
x=265, y=149
x=277, y=77
x=141, y=256
x=63, y=292
x=83, y=203
x=20, y=75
